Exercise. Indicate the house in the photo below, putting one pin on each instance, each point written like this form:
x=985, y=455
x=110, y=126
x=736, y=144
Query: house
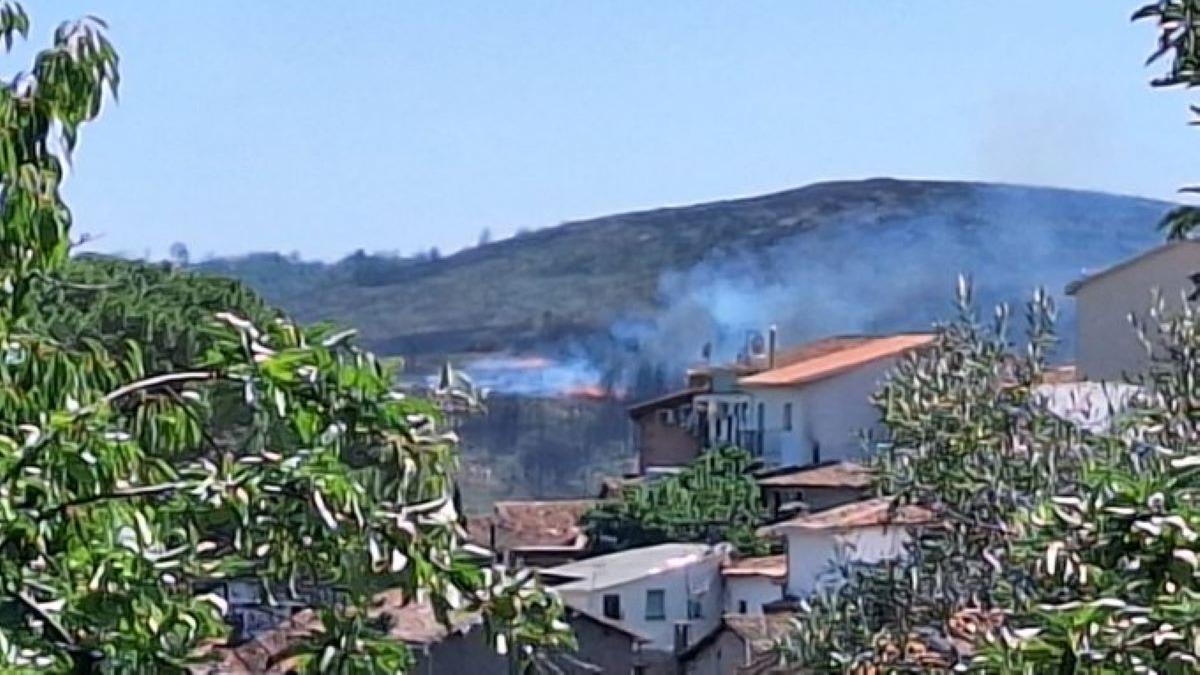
x=462, y=647
x=813, y=488
x=744, y=645
x=533, y=533
x=813, y=408
x=1108, y=347
x=751, y=402
x=665, y=430
x=751, y=583
x=670, y=593
x=865, y=531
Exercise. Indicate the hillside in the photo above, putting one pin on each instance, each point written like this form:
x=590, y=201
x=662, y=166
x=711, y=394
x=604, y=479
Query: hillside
x=869, y=255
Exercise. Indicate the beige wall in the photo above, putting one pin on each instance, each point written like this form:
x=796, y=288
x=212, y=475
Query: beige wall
x=664, y=444
x=610, y=650
x=722, y=656
x=1108, y=347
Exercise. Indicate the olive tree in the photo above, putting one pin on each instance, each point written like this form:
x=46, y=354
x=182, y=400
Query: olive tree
x=966, y=438
x=119, y=498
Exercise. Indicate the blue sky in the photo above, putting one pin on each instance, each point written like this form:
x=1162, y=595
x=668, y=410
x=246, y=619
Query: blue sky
x=322, y=127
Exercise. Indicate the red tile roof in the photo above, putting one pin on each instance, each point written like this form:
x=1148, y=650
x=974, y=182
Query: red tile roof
x=835, y=359
x=833, y=475
x=533, y=524
x=867, y=513
x=771, y=566
x=413, y=623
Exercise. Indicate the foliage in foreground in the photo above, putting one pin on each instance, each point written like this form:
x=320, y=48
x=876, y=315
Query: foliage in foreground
x=1056, y=549
x=964, y=437
x=713, y=499
x=118, y=497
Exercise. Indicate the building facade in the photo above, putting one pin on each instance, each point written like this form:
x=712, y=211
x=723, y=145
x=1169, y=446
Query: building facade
x=814, y=410
x=672, y=594
x=1108, y=347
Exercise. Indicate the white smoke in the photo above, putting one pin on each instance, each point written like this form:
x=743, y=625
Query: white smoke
x=858, y=273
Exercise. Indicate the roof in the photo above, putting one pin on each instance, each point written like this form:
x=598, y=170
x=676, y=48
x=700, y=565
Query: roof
x=1074, y=286
x=622, y=567
x=524, y=525
x=413, y=623
x=785, y=356
x=760, y=631
x=830, y=475
x=770, y=566
x=677, y=396
x=836, y=360
x=1060, y=375
x=866, y=513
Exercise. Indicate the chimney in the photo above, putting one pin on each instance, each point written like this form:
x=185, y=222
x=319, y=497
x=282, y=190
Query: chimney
x=771, y=336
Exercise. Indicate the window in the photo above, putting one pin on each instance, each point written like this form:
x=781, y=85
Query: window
x=656, y=604
x=741, y=606
x=612, y=606
x=816, y=459
x=666, y=417
x=787, y=416
x=695, y=609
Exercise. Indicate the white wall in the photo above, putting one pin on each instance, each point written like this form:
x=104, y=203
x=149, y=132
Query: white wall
x=829, y=412
x=756, y=591
x=780, y=447
x=812, y=555
x=678, y=584
x=837, y=408
x=1108, y=346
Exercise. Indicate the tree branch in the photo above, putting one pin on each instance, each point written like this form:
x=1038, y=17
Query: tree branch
x=158, y=381
x=127, y=493
x=32, y=605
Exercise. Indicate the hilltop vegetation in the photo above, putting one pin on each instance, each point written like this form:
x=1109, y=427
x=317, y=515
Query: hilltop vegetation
x=573, y=282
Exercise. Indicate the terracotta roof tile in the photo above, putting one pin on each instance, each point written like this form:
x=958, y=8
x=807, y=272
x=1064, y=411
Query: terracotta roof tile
x=837, y=359
x=833, y=475
x=772, y=566
x=760, y=631
x=867, y=513
x=413, y=623
x=533, y=524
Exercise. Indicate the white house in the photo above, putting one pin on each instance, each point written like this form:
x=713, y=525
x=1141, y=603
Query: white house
x=671, y=593
x=866, y=531
x=812, y=409
x=751, y=583
x=1108, y=347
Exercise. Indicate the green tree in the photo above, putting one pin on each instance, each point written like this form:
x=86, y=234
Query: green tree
x=1113, y=563
x=966, y=438
x=1178, y=23
x=715, y=498
x=115, y=498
